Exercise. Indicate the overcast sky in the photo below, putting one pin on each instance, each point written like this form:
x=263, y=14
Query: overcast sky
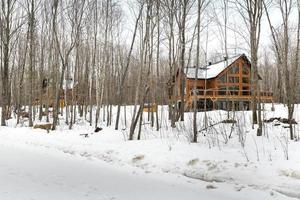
x=214, y=41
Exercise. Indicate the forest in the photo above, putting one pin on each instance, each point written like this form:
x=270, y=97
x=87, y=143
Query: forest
x=97, y=74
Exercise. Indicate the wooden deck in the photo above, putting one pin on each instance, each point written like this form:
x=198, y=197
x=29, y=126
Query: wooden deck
x=215, y=95
x=222, y=95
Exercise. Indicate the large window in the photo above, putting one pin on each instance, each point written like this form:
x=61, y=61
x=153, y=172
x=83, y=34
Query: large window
x=245, y=70
x=222, y=91
x=234, y=79
x=246, y=91
x=246, y=80
x=234, y=69
x=233, y=90
x=222, y=79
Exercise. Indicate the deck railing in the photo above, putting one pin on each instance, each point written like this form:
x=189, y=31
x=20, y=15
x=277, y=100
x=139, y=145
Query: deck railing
x=215, y=94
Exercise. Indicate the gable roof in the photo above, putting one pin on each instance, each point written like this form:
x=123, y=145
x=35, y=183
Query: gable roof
x=210, y=71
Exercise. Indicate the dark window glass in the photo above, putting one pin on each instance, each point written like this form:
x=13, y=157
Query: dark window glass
x=222, y=79
x=233, y=90
x=234, y=79
x=245, y=70
x=234, y=69
x=246, y=80
x=222, y=91
x=246, y=91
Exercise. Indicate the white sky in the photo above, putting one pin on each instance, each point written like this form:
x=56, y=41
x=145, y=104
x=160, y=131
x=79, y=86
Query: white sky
x=214, y=42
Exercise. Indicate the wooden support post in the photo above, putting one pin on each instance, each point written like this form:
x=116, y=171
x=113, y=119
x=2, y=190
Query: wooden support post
x=272, y=108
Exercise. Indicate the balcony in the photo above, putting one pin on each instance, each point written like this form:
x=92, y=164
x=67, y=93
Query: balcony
x=223, y=94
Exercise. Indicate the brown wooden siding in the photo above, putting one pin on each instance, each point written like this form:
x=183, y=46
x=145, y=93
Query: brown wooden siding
x=235, y=85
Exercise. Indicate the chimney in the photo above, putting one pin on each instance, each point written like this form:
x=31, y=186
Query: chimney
x=209, y=63
x=225, y=58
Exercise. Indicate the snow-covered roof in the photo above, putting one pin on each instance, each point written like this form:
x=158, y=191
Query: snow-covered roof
x=210, y=71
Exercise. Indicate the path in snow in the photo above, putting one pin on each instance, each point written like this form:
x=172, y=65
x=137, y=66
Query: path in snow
x=27, y=174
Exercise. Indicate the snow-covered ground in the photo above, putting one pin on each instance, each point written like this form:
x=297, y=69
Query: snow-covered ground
x=163, y=165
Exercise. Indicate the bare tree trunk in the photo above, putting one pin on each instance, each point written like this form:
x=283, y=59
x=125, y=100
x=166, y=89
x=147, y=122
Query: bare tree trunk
x=78, y=13
x=6, y=35
x=253, y=10
x=21, y=78
x=41, y=82
x=120, y=91
x=143, y=56
x=285, y=7
x=182, y=27
x=31, y=56
x=157, y=62
x=195, y=92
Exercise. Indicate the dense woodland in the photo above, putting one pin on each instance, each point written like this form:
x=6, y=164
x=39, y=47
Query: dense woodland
x=95, y=53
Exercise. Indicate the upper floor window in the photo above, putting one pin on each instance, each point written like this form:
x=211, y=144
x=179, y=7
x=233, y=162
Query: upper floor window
x=246, y=70
x=234, y=80
x=234, y=69
x=222, y=79
x=246, y=80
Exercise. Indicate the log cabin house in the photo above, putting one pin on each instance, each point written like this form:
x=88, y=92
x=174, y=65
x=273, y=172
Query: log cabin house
x=222, y=85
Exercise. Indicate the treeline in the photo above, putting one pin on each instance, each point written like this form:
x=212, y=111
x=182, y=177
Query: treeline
x=84, y=52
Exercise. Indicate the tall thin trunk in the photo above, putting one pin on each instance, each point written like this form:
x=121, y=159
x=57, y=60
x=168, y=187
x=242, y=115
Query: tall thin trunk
x=182, y=29
x=195, y=92
x=121, y=87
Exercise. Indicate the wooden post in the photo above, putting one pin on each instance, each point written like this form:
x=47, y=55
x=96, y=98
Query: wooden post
x=272, y=108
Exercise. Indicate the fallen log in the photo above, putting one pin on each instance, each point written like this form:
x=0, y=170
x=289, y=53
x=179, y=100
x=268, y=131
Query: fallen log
x=282, y=120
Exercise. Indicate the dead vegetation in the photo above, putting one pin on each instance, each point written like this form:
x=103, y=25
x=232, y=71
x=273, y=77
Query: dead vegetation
x=138, y=158
x=193, y=162
x=228, y=121
x=279, y=119
x=24, y=114
x=43, y=126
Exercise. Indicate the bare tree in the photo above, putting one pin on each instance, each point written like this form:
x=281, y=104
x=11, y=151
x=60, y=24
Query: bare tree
x=283, y=52
x=31, y=31
x=8, y=30
x=184, y=6
x=140, y=95
x=251, y=12
x=75, y=20
x=202, y=4
x=121, y=87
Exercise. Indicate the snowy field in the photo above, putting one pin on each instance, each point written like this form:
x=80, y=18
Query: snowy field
x=229, y=162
